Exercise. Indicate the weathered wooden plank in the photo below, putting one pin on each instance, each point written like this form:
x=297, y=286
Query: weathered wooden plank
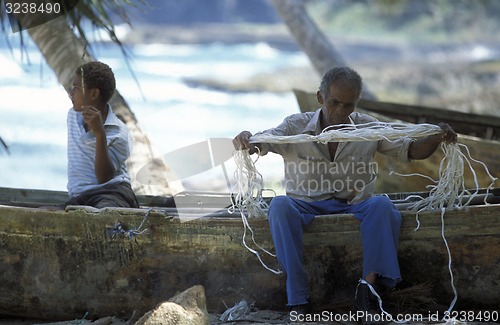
x=31, y=197
x=39, y=197
x=482, y=126
x=59, y=265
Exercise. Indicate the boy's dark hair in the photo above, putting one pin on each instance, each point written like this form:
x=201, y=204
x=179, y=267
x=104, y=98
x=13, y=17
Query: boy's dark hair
x=337, y=74
x=98, y=75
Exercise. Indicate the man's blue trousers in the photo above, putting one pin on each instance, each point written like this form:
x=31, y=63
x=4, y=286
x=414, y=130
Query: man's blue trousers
x=380, y=225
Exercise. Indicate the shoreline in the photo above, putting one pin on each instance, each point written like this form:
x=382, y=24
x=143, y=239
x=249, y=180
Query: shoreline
x=456, y=76
x=276, y=36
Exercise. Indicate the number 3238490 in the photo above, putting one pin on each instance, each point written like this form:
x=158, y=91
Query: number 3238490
x=32, y=8
x=472, y=316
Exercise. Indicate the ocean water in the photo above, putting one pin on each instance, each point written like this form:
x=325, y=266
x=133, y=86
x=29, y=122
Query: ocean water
x=174, y=114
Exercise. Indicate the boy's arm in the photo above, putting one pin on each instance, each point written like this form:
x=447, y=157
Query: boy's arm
x=103, y=167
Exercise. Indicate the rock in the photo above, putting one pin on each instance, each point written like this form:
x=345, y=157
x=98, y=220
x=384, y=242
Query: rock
x=186, y=308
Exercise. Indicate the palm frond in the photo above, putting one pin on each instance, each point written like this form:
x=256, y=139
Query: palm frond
x=101, y=14
x=8, y=24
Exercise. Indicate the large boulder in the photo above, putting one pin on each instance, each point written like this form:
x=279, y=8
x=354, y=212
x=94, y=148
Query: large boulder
x=185, y=308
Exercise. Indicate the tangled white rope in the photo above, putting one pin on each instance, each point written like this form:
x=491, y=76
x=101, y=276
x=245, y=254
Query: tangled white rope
x=359, y=132
x=448, y=192
x=249, y=199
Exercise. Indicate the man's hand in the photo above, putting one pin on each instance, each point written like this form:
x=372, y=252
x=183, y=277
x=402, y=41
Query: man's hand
x=448, y=135
x=242, y=142
x=93, y=119
x=423, y=148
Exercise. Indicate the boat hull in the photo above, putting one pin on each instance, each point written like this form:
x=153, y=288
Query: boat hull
x=62, y=265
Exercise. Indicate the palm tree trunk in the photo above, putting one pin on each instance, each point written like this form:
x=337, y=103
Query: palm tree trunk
x=63, y=52
x=310, y=38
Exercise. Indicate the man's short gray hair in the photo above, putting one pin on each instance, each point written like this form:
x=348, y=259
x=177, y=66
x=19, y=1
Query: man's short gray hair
x=339, y=74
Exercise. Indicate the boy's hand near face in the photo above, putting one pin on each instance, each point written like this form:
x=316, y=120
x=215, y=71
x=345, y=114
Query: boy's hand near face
x=93, y=119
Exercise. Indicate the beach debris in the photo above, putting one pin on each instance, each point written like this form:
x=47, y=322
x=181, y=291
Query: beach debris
x=246, y=312
x=186, y=308
x=237, y=312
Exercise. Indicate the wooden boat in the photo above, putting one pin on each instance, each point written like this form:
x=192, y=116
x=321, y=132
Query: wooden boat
x=479, y=133
x=477, y=125
x=60, y=265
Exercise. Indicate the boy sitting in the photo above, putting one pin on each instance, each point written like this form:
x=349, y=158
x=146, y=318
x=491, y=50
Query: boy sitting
x=98, y=142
